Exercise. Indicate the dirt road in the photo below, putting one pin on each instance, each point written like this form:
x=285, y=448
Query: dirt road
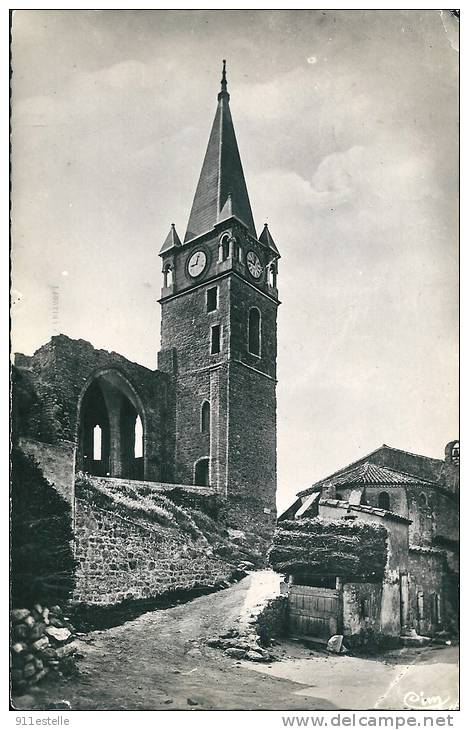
x=159, y=662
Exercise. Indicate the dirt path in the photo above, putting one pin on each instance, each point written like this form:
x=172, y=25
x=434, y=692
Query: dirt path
x=159, y=662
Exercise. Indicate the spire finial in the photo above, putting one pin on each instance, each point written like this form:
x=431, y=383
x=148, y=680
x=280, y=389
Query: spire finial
x=223, y=92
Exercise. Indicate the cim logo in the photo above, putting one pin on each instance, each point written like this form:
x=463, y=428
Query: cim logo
x=418, y=701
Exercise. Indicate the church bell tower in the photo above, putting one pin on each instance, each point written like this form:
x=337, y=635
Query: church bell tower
x=219, y=337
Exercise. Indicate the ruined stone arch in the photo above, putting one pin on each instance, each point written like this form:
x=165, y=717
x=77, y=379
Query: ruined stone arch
x=110, y=401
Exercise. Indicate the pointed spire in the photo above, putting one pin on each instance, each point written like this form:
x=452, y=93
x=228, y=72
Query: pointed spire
x=222, y=175
x=267, y=239
x=224, y=93
x=172, y=240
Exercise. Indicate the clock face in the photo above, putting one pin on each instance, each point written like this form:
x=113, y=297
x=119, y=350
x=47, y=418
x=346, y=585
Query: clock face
x=197, y=263
x=254, y=265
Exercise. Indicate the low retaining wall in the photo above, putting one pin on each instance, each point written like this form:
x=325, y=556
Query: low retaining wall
x=121, y=559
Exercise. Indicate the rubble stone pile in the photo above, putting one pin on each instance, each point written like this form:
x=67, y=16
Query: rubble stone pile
x=42, y=640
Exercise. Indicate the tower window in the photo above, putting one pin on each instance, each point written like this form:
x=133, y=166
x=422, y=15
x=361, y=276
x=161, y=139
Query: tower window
x=212, y=299
x=215, y=339
x=383, y=501
x=168, y=276
x=254, y=332
x=205, y=417
x=422, y=501
x=272, y=275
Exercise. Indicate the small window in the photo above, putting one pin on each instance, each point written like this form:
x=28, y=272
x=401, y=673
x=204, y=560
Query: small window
x=422, y=501
x=205, y=417
x=254, y=332
x=97, y=439
x=212, y=299
x=215, y=339
x=383, y=501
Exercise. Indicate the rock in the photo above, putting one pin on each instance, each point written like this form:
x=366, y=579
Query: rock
x=192, y=702
x=40, y=675
x=57, y=622
x=45, y=616
x=58, y=634
x=334, y=644
x=59, y=705
x=25, y=702
x=67, y=650
x=19, y=647
x=41, y=643
x=194, y=652
x=167, y=702
x=39, y=664
x=246, y=565
x=16, y=675
x=56, y=611
x=30, y=621
x=235, y=653
x=20, y=631
x=238, y=574
x=230, y=634
x=29, y=670
x=36, y=632
x=19, y=614
x=255, y=656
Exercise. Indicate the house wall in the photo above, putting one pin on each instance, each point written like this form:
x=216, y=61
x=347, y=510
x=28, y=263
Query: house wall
x=427, y=584
x=362, y=613
x=397, y=563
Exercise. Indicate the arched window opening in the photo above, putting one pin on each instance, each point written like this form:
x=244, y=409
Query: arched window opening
x=205, y=417
x=97, y=443
x=384, y=501
x=110, y=429
x=138, y=448
x=254, y=332
x=423, y=501
x=224, y=248
x=272, y=275
x=168, y=275
x=201, y=473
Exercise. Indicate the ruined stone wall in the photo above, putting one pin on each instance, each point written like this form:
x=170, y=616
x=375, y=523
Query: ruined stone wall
x=57, y=375
x=129, y=559
x=56, y=462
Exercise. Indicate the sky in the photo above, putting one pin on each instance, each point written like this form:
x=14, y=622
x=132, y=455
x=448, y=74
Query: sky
x=347, y=124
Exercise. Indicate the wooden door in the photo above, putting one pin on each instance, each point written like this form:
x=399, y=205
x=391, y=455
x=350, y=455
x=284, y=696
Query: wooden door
x=313, y=611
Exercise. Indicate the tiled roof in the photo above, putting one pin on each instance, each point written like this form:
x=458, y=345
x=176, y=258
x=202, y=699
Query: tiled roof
x=368, y=473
